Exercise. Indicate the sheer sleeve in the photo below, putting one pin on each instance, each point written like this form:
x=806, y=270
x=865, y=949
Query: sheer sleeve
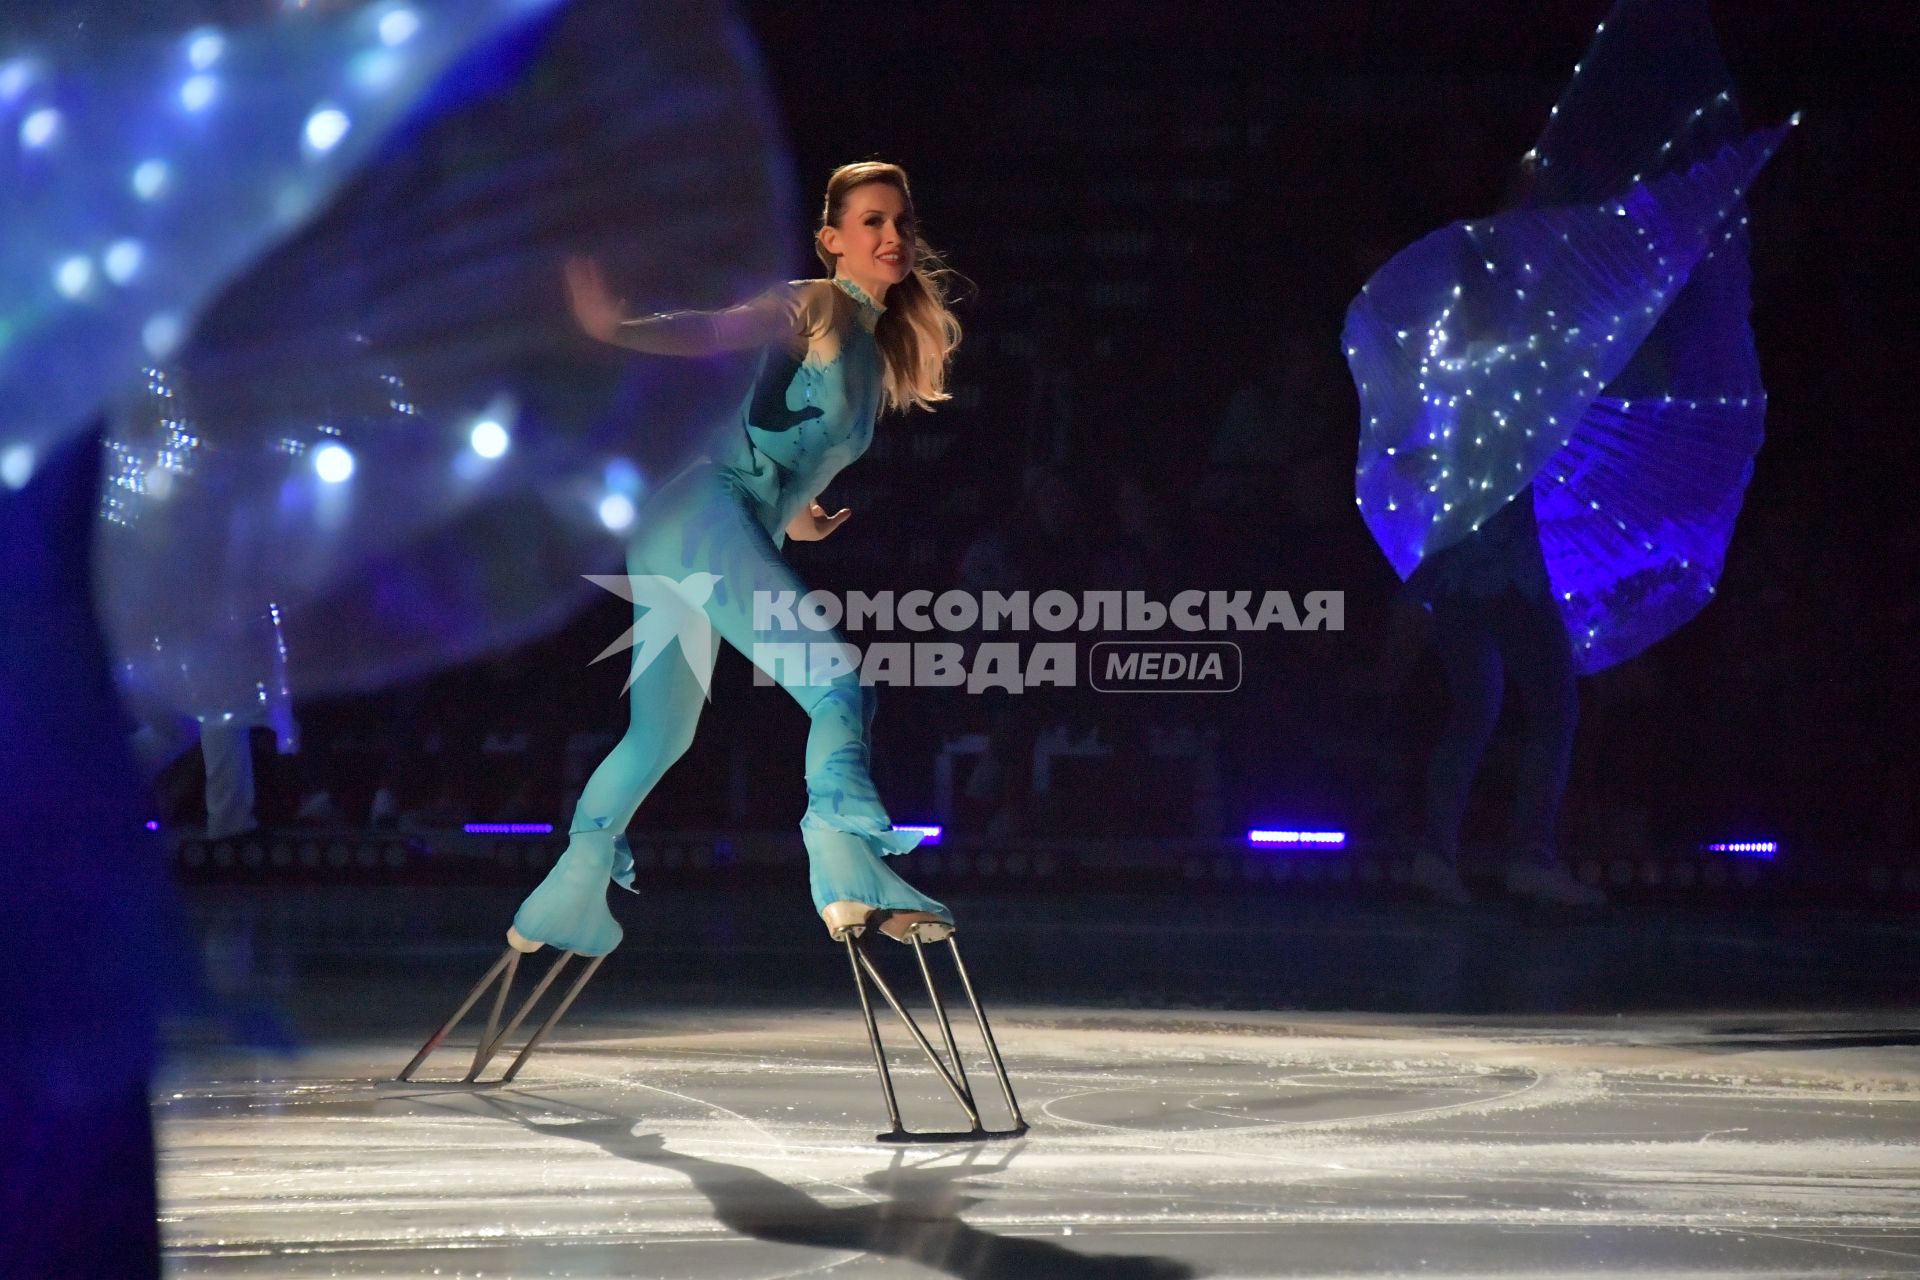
x=783, y=316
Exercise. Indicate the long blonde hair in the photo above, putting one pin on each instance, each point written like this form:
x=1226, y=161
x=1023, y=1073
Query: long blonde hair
x=917, y=333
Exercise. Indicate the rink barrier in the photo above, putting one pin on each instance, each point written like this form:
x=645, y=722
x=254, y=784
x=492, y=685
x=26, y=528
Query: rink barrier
x=1360, y=868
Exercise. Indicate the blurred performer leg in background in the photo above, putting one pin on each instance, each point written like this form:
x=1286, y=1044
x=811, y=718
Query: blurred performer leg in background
x=1497, y=630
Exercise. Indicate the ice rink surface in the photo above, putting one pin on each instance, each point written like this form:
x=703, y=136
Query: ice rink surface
x=687, y=1132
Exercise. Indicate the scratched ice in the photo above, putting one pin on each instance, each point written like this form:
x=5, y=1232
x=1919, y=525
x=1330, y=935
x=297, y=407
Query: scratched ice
x=687, y=1138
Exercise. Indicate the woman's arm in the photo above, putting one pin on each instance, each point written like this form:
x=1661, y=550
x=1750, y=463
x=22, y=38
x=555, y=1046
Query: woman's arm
x=777, y=316
x=763, y=322
x=813, y=523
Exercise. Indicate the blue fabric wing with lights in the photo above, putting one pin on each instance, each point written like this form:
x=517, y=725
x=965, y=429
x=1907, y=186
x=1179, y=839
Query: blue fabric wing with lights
x=309, y=270
x=1592, y=345
x=150, y=159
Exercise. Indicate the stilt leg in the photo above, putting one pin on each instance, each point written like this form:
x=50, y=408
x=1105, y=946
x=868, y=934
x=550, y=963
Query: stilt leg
x=566, y=1002
x=873, y=1035
x=940, y=1012
x=473, y=997
x=484, y=1050
x=952, y=1070
x=494, y=1037
x=491, y=1045
x=986, y=1034
x=960, y=1095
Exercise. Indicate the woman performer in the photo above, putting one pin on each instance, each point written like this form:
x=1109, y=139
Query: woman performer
x=876, y=332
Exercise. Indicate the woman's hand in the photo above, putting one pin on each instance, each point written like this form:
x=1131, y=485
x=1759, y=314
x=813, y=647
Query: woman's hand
x=814, y=523
x=595, y=307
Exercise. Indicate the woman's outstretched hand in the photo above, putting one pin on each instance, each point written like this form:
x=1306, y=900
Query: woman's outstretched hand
x=595, y=307
x=814, y=523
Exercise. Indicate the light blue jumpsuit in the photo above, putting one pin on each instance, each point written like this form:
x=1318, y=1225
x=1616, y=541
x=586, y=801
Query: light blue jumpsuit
x=727, y=516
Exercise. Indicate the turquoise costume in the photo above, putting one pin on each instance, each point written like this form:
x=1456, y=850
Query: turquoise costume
x=807, y=418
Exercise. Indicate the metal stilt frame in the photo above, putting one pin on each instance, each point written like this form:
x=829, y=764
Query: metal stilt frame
x=495, y=1036
x=952, y=1071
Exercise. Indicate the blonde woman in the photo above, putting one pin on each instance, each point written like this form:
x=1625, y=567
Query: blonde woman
x=874, y=333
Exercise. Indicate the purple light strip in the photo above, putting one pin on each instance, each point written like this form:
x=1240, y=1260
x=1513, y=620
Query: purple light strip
x=508, y=828
x=931, y=834
x=1265, y=839
x=1746, y=848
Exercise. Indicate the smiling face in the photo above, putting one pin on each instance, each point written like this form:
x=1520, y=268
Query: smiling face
x=873, y=242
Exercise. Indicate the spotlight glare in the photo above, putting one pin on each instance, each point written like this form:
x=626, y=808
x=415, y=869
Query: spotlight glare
x=150, y=179
x=15, y=74
x=73, y=276
x=398, y=27
x=204, y=48
x=375, y=69
x=39, y=128
x=333, y=463
x=616, y=511
x=160, y=335
x=622, y=476
x=325, y=127
x=488, y=438
x=16, y=466
x=122, y=260
x=199, y=91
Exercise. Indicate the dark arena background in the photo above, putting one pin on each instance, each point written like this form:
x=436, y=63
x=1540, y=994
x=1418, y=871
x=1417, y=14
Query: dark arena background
x=1247, y=1028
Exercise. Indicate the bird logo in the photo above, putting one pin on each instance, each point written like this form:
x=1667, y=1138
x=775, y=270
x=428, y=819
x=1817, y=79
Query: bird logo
x=674, y=609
